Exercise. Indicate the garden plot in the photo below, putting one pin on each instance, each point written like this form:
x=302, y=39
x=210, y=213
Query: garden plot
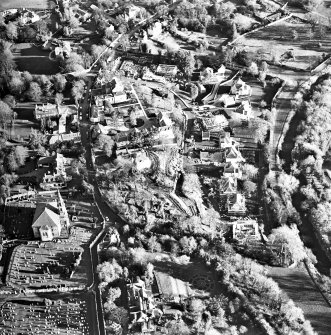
x=281, y=41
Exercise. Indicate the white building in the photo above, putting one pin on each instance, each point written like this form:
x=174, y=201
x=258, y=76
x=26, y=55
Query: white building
x=49, y=219
x=236, y=204
x=245, y=230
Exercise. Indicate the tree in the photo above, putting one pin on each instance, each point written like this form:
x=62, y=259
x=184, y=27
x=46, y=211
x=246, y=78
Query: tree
x=290, y=237
x=118, y=315
x=253, y=69
x=58, y=98
x=16, y=84
x=108, y=148
x=188, y=244
x=186, y=62
x=74, y=63
x=78, y=90
x=45, y=84
x=249, y=187
x=194, y=92
x=9, y=100
x=109, y=271
x=21, y=153
x=73, y=22
x=27, y=33
x=153, y=244
x=178, y=327
x=113, y=294
x=41, y=27
x=34, y=93
x=250, y=170
x=6, y=113
x=11, y=162
x=59, y=82
x=11, y=31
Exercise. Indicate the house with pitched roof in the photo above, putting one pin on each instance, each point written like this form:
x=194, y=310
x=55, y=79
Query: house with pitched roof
x=227, y=141
x=232, y=154
x=228, y=185
x=232, y=169
x=49, y=219
x=236, y=204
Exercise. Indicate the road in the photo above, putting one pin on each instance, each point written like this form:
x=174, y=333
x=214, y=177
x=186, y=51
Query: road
x=299, y=287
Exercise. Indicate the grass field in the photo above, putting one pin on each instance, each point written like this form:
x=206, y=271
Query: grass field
x=279, y=39
x=33, y=59
x=33, y=4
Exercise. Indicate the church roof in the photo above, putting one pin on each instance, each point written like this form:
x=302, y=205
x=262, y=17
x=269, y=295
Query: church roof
x=46, y=214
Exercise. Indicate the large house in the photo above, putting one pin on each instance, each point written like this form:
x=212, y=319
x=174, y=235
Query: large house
x=247, y=229
x=52, y=110
x=58, y=178
x=49, y=219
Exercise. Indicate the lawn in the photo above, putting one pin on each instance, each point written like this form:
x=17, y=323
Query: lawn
x=31, y=4
x=278, y=39
x=33, y=59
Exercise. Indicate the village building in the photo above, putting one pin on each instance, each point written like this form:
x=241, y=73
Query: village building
x=246, y=229
x=233, y=155
x=51, y=110
x=155, y=29
x=150, y=76
x=227, y=141
x=171, y=289
x=57, y=178
x=244, y=111
x=240, y=88
x=232, y=169
x=132, y=12
x=63, y=49
x=142, y=307
x=228, y=185
x=49, y=219
x=81, y=14
x=28, y=17
x=236, y=204
x=227, y=100
x=166, y=70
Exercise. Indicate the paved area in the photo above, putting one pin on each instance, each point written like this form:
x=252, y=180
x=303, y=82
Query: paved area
x=298, y=286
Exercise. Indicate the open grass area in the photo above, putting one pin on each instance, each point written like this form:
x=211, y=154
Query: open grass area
x=32, y=4
x=33, y=59
x=306, y=47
